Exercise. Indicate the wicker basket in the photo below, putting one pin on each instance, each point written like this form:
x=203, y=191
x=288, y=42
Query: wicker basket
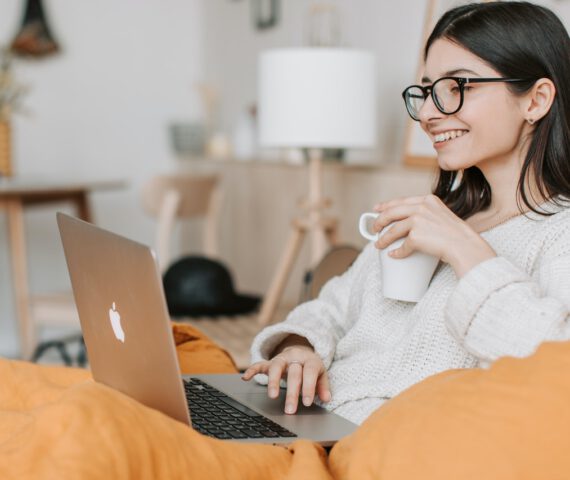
x=5, y=149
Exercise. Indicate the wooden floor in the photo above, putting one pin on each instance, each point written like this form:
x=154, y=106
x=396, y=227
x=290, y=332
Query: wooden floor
x=235, y=333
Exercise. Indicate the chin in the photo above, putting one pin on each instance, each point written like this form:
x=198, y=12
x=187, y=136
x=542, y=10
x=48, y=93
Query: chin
x=445, y=164
x=450, y=165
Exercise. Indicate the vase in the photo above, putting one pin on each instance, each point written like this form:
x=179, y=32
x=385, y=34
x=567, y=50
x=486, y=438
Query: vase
x=5, y=149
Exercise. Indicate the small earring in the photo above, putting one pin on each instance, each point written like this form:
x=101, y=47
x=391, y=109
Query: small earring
x=530, y=121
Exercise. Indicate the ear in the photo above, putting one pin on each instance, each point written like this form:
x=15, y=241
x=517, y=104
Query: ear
x=539, y=100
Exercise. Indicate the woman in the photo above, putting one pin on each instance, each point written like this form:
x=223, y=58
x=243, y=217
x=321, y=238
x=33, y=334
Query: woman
x=495, y=101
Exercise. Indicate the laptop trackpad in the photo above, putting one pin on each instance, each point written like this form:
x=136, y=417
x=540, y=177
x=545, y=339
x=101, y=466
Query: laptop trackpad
x=255, y=396
x=274, y=406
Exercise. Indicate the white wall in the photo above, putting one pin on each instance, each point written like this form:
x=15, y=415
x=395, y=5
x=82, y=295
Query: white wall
x=128, y=68
x=99, y=109
x=392, y=30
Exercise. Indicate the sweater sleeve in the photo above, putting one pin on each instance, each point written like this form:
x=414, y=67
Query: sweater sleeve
x=322, y=321
x=498, y=309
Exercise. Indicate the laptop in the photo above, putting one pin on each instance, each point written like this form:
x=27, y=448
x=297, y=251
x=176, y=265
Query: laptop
x=124, y=318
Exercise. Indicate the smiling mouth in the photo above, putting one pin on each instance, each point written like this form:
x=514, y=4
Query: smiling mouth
x=448, y=136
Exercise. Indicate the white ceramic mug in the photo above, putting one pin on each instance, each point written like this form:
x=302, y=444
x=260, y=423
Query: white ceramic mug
x=404, y=279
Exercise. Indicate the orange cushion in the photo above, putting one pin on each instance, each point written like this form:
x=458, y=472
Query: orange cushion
x=511, y=421
x=55, y=422
x=198, y=354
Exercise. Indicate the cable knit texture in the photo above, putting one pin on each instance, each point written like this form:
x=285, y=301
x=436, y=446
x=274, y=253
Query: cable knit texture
x=374, y=347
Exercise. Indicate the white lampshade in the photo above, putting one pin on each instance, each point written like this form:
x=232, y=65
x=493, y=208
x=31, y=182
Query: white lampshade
x=317, y=98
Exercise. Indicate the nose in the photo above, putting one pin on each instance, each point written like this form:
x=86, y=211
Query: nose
x=429, y=111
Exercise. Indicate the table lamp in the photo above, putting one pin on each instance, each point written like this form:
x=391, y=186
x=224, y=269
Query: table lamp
x=313, y=98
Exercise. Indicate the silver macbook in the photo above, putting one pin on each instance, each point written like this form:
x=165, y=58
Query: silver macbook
x=124, y=318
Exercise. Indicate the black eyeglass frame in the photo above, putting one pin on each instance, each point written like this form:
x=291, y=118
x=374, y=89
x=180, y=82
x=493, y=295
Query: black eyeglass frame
x=461, y=82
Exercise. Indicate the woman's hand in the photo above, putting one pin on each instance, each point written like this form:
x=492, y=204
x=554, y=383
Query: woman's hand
x=304, y=371
x=430, y=227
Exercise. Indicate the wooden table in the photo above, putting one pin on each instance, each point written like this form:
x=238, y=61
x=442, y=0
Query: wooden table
x=16, y=193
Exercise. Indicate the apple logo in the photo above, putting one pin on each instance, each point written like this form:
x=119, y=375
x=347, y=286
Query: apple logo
x=115, y=318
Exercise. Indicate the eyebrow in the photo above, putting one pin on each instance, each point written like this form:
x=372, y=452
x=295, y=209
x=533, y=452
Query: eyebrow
x=452, y=73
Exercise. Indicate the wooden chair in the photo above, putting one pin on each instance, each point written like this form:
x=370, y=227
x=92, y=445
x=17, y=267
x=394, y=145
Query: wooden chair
x=170, y=198
x=335, y=262
x=175, y=197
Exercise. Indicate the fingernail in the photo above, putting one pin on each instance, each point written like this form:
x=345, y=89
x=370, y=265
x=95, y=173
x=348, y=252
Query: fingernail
x=272, y=392
x=307, y=401
x=326, y=397
x=289, y=408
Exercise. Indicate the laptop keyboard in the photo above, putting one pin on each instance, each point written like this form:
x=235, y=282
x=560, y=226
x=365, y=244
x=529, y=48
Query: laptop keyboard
x=215, y=414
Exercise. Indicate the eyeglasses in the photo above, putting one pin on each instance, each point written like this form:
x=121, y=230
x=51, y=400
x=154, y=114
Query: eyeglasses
x=447, y=94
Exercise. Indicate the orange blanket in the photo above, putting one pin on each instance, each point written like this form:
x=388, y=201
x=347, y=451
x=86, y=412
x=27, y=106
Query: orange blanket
x=56, y=422
x=510, y=422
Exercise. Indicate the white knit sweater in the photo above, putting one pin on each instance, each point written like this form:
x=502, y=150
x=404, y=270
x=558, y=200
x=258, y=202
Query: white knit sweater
x=375, y=347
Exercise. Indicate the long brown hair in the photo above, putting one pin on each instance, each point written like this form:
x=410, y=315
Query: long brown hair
x=519, y=40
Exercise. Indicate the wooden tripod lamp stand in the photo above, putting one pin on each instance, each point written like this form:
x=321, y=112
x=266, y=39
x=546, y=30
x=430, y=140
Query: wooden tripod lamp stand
x=313, y=98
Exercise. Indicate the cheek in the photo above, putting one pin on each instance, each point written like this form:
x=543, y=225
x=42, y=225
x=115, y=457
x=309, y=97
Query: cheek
x=498, y=124
x=493, y=134
x=495, y=139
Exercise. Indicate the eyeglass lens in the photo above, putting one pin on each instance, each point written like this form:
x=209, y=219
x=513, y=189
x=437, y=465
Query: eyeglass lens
x=446, y=94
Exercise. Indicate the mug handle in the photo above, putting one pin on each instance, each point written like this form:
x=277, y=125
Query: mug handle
x=363, y=226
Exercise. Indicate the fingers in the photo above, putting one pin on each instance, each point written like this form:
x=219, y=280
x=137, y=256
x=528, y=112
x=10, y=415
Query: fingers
x=323, y=388
x=306, y=378
x=402, y=251
x=406, y=248
x=273, y=369
x=314, y=378
x=259, y=367
x=398, y=209
x=398, y=230
x=294, y=380
x=277, y=368
x=393, y=215
x=380, y=207
x=311, y=372
x=254, y=369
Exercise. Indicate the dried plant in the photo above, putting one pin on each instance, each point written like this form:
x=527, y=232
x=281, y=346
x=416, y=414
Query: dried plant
x=11, y=91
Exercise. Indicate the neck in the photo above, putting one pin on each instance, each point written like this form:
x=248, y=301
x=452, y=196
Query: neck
x=503, y=178
x=504, y=189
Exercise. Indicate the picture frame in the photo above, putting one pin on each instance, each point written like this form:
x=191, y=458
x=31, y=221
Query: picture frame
x=418, y=149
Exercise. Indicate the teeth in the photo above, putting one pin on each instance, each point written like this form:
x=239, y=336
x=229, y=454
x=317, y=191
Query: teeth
x=449, y=135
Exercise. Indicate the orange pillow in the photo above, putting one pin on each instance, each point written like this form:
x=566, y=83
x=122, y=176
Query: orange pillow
x=511, y=421
x=199, y=354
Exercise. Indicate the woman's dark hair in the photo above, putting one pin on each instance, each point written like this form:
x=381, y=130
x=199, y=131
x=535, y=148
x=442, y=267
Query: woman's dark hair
x=519, y=40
